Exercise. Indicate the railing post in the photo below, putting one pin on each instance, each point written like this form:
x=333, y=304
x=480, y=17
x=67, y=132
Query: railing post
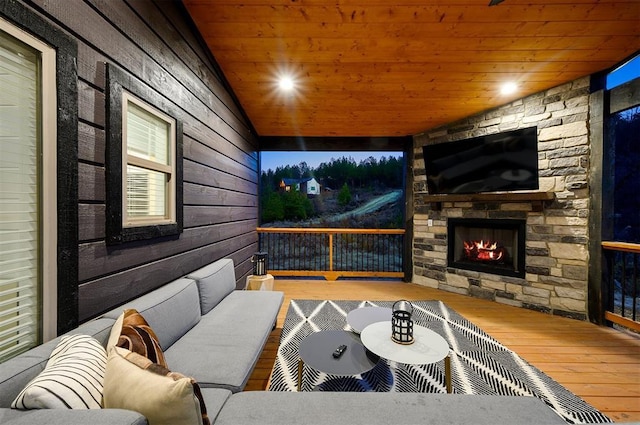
x=330, y=252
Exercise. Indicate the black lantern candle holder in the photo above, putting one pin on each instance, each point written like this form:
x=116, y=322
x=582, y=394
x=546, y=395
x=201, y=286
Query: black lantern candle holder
x=259, y=261
x=401, y=322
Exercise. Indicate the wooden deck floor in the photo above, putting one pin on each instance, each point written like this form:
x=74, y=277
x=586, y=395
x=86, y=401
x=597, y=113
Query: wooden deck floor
x=601, y=365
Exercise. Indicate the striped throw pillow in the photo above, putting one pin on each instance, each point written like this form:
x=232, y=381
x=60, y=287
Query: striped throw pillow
x=73, y=377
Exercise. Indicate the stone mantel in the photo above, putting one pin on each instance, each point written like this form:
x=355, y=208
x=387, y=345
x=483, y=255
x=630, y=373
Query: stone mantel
x=537, y=199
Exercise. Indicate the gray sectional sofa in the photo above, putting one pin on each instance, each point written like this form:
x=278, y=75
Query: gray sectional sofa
x=214, y=333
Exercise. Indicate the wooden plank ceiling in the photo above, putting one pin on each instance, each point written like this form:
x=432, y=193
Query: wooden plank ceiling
x=400, y=67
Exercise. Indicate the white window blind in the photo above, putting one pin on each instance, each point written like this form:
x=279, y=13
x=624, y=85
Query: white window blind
x=19, y=197
x=149, y=165
x=145, y=193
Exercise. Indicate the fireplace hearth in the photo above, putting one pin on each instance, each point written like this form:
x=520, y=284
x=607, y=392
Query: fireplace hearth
x=487, y=245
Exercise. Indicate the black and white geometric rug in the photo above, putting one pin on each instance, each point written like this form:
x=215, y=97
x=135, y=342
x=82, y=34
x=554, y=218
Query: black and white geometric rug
x=479, y=363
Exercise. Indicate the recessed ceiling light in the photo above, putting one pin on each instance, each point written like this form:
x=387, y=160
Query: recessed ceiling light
x=286, y=83
x=508, y=88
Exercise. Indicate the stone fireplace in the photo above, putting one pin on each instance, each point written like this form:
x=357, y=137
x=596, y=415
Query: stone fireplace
x=548, y=251
x=487, y=245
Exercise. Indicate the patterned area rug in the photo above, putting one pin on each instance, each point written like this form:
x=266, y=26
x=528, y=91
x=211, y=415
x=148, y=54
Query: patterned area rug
x=479, y=363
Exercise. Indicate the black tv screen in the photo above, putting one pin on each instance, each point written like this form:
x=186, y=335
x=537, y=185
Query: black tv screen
x=498, y=162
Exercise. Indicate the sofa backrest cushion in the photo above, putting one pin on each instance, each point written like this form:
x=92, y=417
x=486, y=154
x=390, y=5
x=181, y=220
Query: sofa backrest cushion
x=170, y=310
x=215, y=281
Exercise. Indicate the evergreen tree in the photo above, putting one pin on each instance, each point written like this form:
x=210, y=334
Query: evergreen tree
x=273, y=208
x=294, y=205
x=344, y=196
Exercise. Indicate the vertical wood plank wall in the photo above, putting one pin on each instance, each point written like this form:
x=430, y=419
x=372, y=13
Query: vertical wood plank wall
x=153, y=42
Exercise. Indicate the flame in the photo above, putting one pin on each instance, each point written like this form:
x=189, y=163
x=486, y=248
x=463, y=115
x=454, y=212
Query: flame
x=483, y=250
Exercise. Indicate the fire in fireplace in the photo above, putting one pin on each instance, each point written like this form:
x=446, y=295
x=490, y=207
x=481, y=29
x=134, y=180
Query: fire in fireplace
x=487, y=245
x=485, y=251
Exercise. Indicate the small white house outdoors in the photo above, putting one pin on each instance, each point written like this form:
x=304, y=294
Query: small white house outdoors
x=308, y=185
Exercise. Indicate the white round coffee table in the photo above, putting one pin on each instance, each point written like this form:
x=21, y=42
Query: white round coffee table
x=360, y=318
x=428, y=347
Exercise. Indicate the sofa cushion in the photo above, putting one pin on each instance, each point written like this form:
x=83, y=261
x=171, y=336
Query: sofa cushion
x=71, y=417
x=170, y=310
x=215, y=281
x=72, y=379
x=163, y=397
x=319, y=408
x=222, y=350
x=214, y=399
x=132, y=332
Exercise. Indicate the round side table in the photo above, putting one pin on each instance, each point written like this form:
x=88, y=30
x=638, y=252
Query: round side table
x=428, y=347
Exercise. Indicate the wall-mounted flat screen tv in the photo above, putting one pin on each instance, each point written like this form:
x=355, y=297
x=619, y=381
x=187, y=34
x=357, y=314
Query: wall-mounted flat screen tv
x=498, y=162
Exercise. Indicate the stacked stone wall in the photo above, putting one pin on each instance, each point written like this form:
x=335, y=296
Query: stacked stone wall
x=557, y=237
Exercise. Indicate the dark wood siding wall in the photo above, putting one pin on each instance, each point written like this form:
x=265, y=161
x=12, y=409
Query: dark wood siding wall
x=153, y=41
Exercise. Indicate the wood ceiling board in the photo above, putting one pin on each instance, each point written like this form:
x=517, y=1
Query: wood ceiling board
x=278, y=53
x=403, y=67
x=256, y=71
x=475, y=66
x=392, y=30
x=388, y=46
x=365, y=12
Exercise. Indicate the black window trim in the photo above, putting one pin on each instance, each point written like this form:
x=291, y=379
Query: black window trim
x=116, y=233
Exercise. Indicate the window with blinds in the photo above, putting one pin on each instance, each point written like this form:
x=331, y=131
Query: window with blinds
x=148, y=164
x=144, y=161
x=21, y=205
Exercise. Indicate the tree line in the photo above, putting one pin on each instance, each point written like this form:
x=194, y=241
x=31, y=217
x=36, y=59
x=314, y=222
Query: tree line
x=386, y=172
x=337, y=174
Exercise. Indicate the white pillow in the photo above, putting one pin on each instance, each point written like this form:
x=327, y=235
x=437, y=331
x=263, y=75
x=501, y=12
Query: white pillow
x=133, y=382
x=72, y=379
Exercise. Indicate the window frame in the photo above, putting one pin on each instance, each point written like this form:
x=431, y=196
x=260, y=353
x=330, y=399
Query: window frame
x=602, y=103
x=46, y=296
x=66, y=124
x=130, y=159
x=120, y=89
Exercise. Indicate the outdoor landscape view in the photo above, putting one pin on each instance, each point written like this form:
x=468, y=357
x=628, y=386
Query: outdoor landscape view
x=337, y=189
x=316, y=191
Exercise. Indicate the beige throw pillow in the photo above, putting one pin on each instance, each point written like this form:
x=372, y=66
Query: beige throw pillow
x=165, y=398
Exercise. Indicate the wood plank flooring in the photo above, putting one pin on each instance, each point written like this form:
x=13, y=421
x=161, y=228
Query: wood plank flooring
x=601, y=365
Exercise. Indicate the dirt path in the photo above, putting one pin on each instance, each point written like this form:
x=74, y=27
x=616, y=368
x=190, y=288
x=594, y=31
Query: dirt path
x=371, y=206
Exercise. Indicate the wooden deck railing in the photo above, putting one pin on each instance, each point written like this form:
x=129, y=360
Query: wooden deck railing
x=332, y=253
x=622, y=283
